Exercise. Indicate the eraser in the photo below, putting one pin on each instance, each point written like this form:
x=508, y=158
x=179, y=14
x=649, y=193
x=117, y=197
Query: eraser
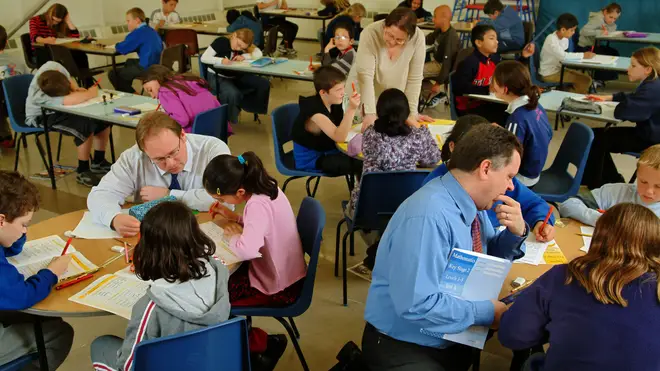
x=519, y=281
x=69, y=234
x=117, y=249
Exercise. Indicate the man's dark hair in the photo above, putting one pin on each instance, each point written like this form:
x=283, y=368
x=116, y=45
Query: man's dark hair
x=3, y=38
x=172, y=246
x=484, y=142
x=566, y=20
x=232, y=15
x=326, y=77
x=54, y=83
x=403, y=18
x=479, y=31
x=344, y=26
x=17, y=195
x=493, y=6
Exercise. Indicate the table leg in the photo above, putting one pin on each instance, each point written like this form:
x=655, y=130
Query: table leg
x=50, y=169
x=41, y=345
x=112, y=146
x=114, y=65
x=561, y=78
x=323, y=37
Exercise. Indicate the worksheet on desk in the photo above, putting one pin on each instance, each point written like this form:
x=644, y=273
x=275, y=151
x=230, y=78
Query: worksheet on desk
x=112, y=293
x=601, y=59
x=222, y=250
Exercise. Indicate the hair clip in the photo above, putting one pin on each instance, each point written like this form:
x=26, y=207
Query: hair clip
x=242, y=160
x=217, y=191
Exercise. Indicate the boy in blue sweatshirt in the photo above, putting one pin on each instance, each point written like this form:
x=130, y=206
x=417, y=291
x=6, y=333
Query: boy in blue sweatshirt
x=18, y=201
x=141, y=39
x=507, y=23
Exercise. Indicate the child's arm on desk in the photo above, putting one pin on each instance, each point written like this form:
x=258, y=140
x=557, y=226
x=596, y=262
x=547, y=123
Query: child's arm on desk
x=80, y=96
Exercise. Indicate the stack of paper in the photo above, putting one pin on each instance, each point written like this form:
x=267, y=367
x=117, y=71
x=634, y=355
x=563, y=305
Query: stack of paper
x=601, y=59
x=222, y=250
x=87, y=228
x=586, y=238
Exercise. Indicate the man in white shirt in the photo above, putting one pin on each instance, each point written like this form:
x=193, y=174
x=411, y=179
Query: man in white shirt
x=554, y=53
x=165, y=16
x=165, y=161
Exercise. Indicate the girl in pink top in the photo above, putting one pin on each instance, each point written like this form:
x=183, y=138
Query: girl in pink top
x=269, y=242
x=181, y=96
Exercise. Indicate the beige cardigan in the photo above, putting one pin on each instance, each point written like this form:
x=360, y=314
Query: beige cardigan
x=376, y=72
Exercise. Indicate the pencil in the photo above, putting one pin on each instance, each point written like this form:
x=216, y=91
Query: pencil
x=547, y=217
x=158, y=107
x=601, y=211
x=353, y=86
x=97, y=82
x=66, y=247
x=523, y=286
x=585, y=234
x=439, y=138
x=126, y=253
x=73, y=282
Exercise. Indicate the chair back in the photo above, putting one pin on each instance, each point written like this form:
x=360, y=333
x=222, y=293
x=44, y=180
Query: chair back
x=271, y=41
x=556, y=183
x=461, y=55
x=452, y=97
x=28, y=53
x=528, y=29
x=203, y=72
x=222, y=346
x=183, y=36
x=20, y=363
x=174, y=58
x=380, y=17
x=212, y=123
x=63, y=56
x=16, y=93
x=310, y=221
x=283, y=118
x=381, y=194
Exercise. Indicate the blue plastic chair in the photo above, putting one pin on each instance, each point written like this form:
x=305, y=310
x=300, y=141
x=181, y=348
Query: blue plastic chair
x=310, y=220
x=380, y=195
x=534, y=61
x=635, y=155
x=212, y=123
x=15, y=89
x=20, y=363
x=223, y=346
x=556, y=184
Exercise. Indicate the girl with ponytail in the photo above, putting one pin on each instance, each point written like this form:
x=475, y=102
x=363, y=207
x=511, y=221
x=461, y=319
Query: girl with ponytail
x=527, y=119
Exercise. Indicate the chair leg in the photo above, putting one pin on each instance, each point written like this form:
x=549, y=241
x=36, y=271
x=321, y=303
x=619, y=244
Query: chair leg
x=287, y=182
x=311, y=193
x=40, y=147
x=296, y=346
x=24, y=142
x=59, y=147
x=257, y=119
x=295, y=329
x=342, y=221
x=112, y=146
x=50, y=155
x=633, y=177
x=316, y=186
x=343, y=265
x=476, y=359
x=18, y=150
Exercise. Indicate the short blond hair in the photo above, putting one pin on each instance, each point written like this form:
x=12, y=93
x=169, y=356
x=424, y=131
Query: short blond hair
x=649, y=57
x=152, y=124
x=650, y=157
x=137, y=13
x=356, y=10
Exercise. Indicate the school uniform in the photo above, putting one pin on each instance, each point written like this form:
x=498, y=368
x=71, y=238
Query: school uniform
x=147, y=43
x=17, y=330
x=510, y=30
x=641, y=107
x=553, y=54
x=39, y=28
x=340, y=59
x=318, y=152
x=533, y=130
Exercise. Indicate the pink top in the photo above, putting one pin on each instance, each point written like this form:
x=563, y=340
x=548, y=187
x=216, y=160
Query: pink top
x=183, y=107
x=269, y=228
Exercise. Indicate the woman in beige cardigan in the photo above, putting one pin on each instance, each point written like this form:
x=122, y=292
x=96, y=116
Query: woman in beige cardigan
x=391, y=55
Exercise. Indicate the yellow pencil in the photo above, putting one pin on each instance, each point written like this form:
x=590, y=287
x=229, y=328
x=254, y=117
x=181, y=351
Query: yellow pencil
x=584, y=234
x=439, y=138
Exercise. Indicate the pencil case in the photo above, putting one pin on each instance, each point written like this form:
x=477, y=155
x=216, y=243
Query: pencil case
x=635, y=35
x=139, y=211
x=127, y=110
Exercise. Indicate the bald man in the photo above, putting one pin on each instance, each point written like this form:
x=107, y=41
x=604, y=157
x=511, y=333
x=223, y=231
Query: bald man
x=445, y=45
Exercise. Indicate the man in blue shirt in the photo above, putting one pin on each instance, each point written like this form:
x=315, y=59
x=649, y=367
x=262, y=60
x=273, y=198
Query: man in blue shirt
x=406, y=312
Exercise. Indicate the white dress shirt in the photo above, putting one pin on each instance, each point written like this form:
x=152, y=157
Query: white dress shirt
x=135, y=170
x=553, y=53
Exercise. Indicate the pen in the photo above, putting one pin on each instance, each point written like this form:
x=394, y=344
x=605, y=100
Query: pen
x=158, y=107
x=547, y=217
x=97, y=82
x=353, y=85
x=126, y=253
x=66, y=247
x=73, y=282
x=211, y=209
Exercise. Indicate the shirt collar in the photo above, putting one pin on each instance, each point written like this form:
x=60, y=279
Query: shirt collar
x=517, y=103
x=341, y=53
x=461, y=198
x=482, y=58
x=189, y=164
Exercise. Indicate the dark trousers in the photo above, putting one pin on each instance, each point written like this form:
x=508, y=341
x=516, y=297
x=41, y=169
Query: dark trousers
x=245, y=91
x=493, y=112
x=122, y=80
x=339, y=164
x=604, y=50
x=382, y=353
x=600, y=167
x=288, y=29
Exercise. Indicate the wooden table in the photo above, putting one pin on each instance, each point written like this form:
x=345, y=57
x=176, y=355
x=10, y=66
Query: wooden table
x=97, y=47
x=460, y=27
x=214, y=28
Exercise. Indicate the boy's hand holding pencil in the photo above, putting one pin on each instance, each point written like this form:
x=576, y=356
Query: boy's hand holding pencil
x=59, y=265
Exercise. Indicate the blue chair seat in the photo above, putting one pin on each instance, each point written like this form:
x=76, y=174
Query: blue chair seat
x=20, y=363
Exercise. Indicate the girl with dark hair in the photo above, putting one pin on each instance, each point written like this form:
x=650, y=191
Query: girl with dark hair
x=181, y=96
x=527, y=119
x=188, y=289
x=417, y=6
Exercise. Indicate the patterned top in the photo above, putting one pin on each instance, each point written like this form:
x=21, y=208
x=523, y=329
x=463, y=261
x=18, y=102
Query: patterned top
x=402, y=152
x=39, y=28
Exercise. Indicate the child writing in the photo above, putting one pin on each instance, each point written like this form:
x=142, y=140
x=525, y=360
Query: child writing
x=645, y=192
x=165, y=16
x=603, y=23
x=181, y=96
x=554, y=53
x=641, y=107
x=339, y=52
x=245, y=19
x=322, y=123
x=189, y=289
x=275, y=268
x=615, y=283
x=507, y=23
x=141, y=39
x=19, y=199
x=527, y=118
x=229, y=85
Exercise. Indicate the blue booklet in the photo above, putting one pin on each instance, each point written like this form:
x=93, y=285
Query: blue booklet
x=265, y=61
x=475, y=277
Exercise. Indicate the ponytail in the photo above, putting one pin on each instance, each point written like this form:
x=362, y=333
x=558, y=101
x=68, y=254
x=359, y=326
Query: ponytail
x=515, y=77
x=226, y=174
x=534, y=94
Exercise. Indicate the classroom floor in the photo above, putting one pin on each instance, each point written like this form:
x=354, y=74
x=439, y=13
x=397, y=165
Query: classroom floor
x=327, y=325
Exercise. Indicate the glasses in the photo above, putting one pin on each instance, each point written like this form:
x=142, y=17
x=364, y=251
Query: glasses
x=341, y=37
x=173, y=154
x=392, y=37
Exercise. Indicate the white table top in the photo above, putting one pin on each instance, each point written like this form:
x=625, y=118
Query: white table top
x=652, y=38
x=292, y=69
x=620, y=65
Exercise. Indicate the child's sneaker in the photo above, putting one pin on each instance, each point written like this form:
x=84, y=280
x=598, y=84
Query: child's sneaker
x=292, y=52
x=100, y=168
x=88, y=178
x=361, y=271
x=282, y=49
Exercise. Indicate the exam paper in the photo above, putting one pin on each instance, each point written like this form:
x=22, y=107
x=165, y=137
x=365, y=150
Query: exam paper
x=91, y=230
x=222, y=250
x=534, y=251
x=79, y=264
x=40, y=249
x=586, y=239
x=601, y=59
x=112, y=293
x=145, y=107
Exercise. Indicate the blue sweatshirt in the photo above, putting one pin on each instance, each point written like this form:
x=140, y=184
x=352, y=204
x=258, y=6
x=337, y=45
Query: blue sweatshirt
x=533, y=207
x=583, y=333
x=534, y=132
x=510, y=30
x=643, y=108
x=255, y=27
x=146, y=42
x=17, y=293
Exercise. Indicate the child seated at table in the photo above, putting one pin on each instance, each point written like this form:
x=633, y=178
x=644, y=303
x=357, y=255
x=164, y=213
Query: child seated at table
x=19, y=199
x=274, y=268
x=141, y=39
x=339, y=52
x=598, y=312
x=53, y=85
x=322, y=123
x=527, y=118
x=352, y=16
x=181, y=96
x=289, y=30
x=189, y=291
x=554, y=53
x=507, y=23
x=417, y=6
x=588, y=208
x=602, y=22
x=165, y=16
x=245, y=19
x=229, y=85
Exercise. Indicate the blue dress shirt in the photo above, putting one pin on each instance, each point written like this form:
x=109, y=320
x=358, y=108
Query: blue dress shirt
x=404, y=299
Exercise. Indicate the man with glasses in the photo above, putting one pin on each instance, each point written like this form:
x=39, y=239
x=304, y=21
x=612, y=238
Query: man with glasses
x=164, y=161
